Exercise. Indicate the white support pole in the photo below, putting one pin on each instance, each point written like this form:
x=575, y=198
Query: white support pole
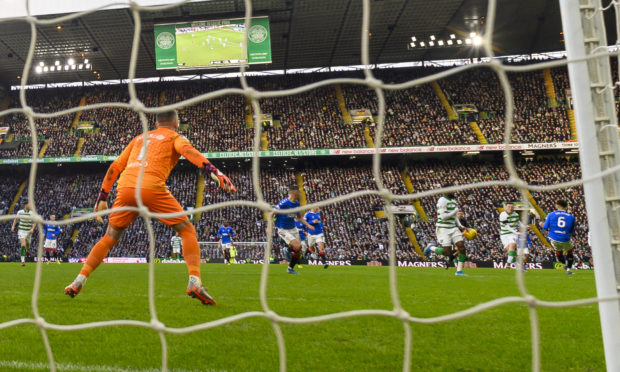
x=598, y=141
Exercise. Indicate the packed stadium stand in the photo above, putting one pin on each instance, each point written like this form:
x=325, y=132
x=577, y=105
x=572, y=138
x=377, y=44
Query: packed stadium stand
x=311, y=120
x=353, y=228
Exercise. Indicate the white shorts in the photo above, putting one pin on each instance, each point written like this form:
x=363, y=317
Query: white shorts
x=522, y=251
x=288, y=235
x=21, y=234
x=176, y=250
x=50, y=243
x=508, y=239
x=226, y=245
x=560, y=246
x=313, y=239
x=449, y=237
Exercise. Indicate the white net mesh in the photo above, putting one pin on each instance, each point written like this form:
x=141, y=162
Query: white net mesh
x=371, y=82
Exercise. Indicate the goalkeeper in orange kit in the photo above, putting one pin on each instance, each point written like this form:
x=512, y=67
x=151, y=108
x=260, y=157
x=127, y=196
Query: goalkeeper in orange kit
x=165, y=147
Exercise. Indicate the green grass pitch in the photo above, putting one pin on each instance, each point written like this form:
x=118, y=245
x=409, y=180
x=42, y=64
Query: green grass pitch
x=206, y=46
x=494, y=340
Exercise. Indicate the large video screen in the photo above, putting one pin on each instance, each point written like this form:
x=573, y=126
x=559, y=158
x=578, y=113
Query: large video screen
x=211, y=44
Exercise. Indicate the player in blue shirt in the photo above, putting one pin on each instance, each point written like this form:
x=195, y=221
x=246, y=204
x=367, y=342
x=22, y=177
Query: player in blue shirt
x=225, y=234
x=287, y=231
x=51, y=239
x=316, y=237
x=561, y=225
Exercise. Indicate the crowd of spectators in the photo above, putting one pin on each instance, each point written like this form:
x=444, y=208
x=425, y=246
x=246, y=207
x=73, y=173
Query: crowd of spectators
x=353, y=228
x=534, y=119
x=56, y=130
x=413, y=116
x=113, y=127
x=308, y=120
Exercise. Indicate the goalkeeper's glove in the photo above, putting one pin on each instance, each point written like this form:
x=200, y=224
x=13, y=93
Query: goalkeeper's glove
x=101, y=204
x=220, y=178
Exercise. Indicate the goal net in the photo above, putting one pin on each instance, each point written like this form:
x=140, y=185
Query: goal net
x=590, y=58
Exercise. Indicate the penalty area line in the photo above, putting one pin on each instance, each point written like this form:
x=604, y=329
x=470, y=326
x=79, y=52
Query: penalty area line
x=35, y=366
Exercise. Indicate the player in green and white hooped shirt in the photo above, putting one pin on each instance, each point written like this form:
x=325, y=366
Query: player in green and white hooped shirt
x=449, y=231
x=177, y=244
x=24, y=230
x=510, y=222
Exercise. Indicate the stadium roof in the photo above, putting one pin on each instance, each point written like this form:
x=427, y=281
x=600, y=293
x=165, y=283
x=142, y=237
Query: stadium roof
x=304, y=33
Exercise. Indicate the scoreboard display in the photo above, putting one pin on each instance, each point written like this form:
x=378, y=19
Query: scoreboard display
x=212, y=44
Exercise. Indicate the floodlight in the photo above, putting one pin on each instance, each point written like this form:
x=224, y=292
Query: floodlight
x=38, y=69
x=431, y=43
x=70, y=61
x=432, y=37
x=477, y=40
x=440, y=42
x=57, y=63
x=468, y=41
x=452, y=36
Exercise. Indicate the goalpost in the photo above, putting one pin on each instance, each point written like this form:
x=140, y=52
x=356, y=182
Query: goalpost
x=591, y=82
x=597, y=127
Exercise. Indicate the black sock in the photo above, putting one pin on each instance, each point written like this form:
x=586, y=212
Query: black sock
x=560, y=257
x=48, y=256
x=294, y=260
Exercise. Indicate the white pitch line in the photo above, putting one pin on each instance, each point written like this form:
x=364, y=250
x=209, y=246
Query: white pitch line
x=35, y=366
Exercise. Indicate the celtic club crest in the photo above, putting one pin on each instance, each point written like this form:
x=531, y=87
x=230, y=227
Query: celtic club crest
x=165, y=40
x=257, y=34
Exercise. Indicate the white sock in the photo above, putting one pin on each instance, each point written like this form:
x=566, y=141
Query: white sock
x=511, y=259
x=81, y=278
x=23, y=259
x=459, y=266
x=196, y=280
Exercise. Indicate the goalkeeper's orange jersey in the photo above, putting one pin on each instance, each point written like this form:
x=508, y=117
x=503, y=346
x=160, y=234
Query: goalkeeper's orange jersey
x=165, y=147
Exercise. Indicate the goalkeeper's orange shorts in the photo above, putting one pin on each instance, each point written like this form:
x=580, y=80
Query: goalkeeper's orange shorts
x=155, y=201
